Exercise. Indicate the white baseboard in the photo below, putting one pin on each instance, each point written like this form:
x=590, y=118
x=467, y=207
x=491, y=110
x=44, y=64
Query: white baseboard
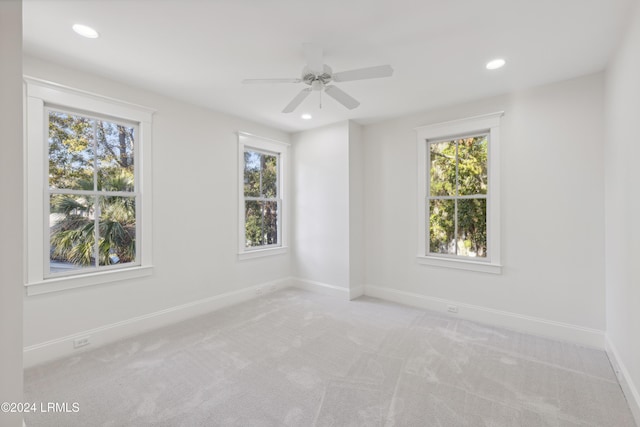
x=61, y=347
x=533, y=325
x=321, y=288
x=629, y=388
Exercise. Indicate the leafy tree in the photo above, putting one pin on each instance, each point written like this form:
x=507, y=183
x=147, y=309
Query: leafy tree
x=73, y=238
x=458, y=168
x=261, y=193
x=78, y=147
x=70, y=146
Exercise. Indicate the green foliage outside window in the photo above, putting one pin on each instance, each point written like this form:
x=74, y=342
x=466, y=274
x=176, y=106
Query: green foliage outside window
x=90, y=156
x=458, y=226
x=261, y=198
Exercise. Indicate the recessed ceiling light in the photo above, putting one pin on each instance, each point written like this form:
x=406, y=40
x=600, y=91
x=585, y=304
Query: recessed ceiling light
x=85, y=31
x=495, y=64
x=306, y=116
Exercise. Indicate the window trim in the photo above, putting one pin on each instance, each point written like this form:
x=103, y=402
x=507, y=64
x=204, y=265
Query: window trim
x=267, y=146
x=40, y=96
x=489, y=124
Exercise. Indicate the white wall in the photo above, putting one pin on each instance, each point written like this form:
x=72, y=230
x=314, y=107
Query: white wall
x=552, y=214
x=622, y=201
x=194, y=211
x=356, y=211
x=321, y=204
x=11, y=212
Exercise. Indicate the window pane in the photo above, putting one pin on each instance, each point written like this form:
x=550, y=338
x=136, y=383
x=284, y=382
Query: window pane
x=261, y=223
x=270, y=230
x=253, y=224
x=117, y=236
x=252, y=165
x=269, y=176
x=115, y=156
x=472, y=227
x=472, y=166
x=442, y=227
x=71, y=156
x=443, y=168
x=71, y=232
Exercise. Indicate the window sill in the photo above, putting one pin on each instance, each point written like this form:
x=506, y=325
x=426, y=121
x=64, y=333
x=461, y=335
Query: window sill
x=79, y=281
x=483, y=267
x=259, y=253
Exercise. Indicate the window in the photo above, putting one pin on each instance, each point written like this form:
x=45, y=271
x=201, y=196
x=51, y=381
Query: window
x=262, y=165
x=85, y=155
x=261, y=198
x=92, y=193
x=459, y=194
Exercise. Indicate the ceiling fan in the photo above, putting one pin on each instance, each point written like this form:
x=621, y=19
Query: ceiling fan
x=318, y=77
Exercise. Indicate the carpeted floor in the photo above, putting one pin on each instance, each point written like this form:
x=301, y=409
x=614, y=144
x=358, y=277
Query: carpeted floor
x=294, y=358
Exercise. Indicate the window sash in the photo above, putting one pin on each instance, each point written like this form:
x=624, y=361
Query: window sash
x=95, y=266
x=278, y=228
x=95, y=194
x=276, y=199
x=428, y=197
x=248, y=148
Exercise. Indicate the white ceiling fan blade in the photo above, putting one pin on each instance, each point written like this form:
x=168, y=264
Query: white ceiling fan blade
x=363, y=73
x=261, y=81
x=341, y=96
x=297, y=100
x=313, y=56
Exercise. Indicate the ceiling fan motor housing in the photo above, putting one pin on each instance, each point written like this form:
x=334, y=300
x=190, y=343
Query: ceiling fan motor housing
x=317, y=81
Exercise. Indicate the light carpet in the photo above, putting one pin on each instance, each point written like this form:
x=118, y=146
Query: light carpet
x=294, y=358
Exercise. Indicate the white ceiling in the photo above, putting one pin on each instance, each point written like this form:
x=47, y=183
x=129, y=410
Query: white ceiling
x=200, y=50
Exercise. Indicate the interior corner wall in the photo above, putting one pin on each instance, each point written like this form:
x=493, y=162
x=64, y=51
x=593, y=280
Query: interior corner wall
x=356, y=211
x=12, y=212
x=195, y=223
x=321, y=205
x=551, y=207
x=621, y=153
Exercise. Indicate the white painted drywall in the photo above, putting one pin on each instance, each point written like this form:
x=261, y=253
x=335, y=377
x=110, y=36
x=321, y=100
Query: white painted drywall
x=194, y=211
x=622, y=202
x=552, y=210
x=321, y=204
x=356, y=210
x=11, y=211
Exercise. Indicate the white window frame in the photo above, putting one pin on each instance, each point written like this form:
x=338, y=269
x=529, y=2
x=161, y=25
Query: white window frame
x=248, y=141
x=41, y=96
x=488, y=124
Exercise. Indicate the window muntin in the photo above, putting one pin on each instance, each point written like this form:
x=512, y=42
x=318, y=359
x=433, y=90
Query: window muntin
x=262, y=201
x=457, y=196
x=91, y=190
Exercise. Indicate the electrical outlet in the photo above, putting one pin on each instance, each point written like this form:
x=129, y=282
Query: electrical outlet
x=81, y=342
x=452, y=308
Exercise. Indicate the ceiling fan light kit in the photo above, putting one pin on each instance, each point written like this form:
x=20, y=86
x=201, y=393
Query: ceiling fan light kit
x=318, y=77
